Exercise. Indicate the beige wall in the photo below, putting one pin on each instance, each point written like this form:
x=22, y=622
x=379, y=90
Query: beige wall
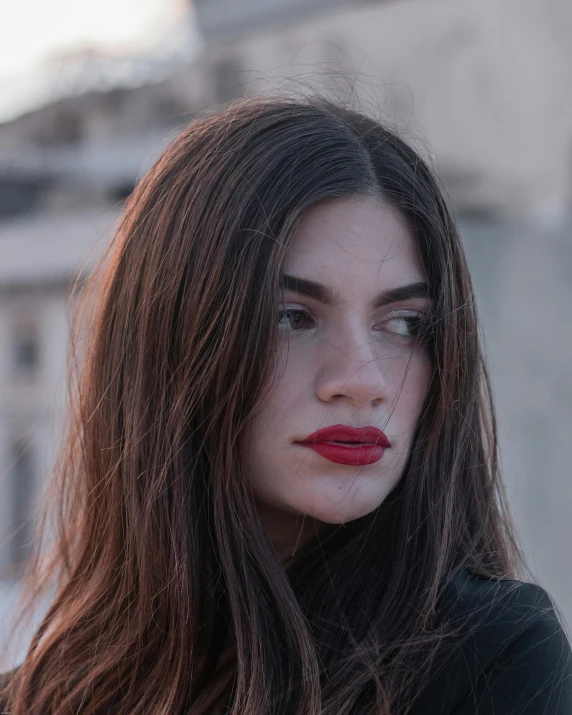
x=522, y=277
x=485, y=82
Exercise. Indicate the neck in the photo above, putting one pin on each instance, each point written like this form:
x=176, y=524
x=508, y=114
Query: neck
x=288, y=533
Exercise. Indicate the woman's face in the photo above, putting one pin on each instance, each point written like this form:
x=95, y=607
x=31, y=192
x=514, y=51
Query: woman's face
x=353, y=296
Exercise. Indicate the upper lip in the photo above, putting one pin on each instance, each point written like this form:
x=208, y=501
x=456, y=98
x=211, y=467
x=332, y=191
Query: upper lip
x=345, y=433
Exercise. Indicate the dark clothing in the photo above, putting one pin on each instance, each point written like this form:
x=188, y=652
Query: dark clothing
x=513, y=658
x=516, y=659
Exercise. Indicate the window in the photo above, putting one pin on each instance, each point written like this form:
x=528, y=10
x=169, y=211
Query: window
x=25, y=350
x=22, y=486
x=63, y=128
x=121, y=191
x=21, y=196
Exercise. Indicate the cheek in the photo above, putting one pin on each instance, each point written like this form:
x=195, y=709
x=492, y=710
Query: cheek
x=291, y=387
x=274, y=416
x=414, y=387
x=280, y=402
x=407, y=377
x=271, y=462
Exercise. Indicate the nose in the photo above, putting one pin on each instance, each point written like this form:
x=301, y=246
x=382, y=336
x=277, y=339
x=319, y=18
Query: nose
x=351, y=371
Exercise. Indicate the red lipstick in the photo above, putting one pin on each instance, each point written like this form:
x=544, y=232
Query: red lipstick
x=343, y=444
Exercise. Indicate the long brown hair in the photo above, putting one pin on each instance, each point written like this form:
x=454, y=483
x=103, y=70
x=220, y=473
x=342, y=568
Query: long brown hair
x=161, y=563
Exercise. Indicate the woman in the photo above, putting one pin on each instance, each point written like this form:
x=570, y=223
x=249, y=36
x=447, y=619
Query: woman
x=279, y=489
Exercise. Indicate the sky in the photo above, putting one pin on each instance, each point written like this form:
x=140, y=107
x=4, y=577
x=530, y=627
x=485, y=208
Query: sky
x=34, y=32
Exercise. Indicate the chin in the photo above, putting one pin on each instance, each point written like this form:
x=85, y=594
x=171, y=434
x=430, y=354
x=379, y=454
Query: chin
x=339, y=513
x=341, y=502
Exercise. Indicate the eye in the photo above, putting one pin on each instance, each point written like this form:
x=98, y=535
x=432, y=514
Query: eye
x=406, y=324
x=294, y=318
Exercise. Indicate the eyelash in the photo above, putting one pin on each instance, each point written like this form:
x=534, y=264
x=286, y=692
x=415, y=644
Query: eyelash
x=297, y=309
x=415, y=319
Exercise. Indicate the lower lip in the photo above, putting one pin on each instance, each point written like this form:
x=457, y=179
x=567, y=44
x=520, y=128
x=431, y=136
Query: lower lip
x=356, y=456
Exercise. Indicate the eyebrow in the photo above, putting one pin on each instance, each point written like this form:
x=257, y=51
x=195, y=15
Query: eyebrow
x=327, y=296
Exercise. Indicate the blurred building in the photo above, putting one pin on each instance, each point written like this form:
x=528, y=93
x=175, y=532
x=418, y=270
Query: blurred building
x=484, y=83
x=65, y=170
x=221, y=19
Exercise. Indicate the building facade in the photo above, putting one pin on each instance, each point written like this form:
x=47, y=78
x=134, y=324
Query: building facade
x=65, y=171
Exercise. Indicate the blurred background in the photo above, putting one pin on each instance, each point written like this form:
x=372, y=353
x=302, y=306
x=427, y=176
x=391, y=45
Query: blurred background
x=91, y=93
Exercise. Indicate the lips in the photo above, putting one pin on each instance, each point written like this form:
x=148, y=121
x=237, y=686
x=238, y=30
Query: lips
x=342, y=444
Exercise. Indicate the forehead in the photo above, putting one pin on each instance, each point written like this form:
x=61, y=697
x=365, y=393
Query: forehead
x=354, y=244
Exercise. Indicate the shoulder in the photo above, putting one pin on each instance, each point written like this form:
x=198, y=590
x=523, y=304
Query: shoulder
x=498, y=614
x=510, y=652
x=499, y=606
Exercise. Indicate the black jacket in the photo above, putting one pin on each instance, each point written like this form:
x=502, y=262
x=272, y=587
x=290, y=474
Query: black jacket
x=514, y=657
